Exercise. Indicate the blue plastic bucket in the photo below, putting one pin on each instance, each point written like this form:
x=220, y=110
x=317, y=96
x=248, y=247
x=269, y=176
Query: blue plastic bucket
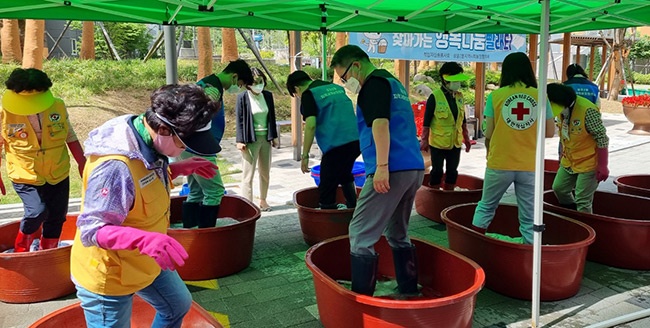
x=358, y=171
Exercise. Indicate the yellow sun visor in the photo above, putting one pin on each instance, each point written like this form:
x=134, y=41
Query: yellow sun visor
x=457, y=77
x=27, y=102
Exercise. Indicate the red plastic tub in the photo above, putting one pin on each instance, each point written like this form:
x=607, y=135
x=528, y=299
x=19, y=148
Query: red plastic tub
x=550, y=171
x=454, y=279
x=35, y=276
x=219, y=251
x=508, y=266
x=634, y=184
x=72, y=316
x=429, y=202
x=316, y=224
x=622, y=225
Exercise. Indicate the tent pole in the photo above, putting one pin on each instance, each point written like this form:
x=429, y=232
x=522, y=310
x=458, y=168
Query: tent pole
x=324, y=59
x=622, y=319
x=538, y=225
x=171, y=68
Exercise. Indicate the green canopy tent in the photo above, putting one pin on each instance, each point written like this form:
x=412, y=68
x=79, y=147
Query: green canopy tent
x=414, y=16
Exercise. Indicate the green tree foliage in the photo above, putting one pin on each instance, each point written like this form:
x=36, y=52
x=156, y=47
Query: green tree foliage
x=641, y=48
x=131, y=40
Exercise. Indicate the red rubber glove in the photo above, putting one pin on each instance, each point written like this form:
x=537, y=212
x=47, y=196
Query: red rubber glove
x=466, y=141
x=194, y=165
x=424, y=139
x=78, y=154
x=602, y=172
x=163, y=249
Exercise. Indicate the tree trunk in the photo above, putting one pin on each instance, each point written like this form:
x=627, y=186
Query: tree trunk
x=229, y=45
x=88, y=41
x=423, y=65
x=34, y=38
x=341, y=39
x=616, y=72
x=205, y=52
x=11, y=52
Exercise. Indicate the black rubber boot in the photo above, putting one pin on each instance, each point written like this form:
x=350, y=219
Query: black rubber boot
x=208, y=217
x=364, y=273
x=191, y=213
x=406, y=269
x=571, y=206
x=350, y=194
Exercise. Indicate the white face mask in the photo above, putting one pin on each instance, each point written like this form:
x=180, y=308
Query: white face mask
x=353, y=85
x=454, y=86
x=257, y=88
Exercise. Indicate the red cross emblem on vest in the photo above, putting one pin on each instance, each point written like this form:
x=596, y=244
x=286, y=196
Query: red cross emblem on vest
x=520, y=111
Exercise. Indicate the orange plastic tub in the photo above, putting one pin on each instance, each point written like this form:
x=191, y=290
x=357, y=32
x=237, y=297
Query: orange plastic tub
x=429, y=202
x=508, y=266
x=316, y=224
x=72, y=316
x=219, y=251
x=622, y=226
x=35, y=276
x=634, y=184
x=450, y=279
x=550, y=171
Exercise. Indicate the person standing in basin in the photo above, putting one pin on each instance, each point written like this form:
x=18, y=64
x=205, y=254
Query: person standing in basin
x=511, y=138
x=256, y=134
x=329, y=116
x=35, y=131
x=394, y=168
x=201, y=208
x=584, y=148
x=445, y=117
x=121, y=247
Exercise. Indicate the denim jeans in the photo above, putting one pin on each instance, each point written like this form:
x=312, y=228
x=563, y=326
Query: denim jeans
x=495, y=184
x=167, y=294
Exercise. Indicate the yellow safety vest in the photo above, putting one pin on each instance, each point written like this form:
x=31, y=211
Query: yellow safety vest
x=29, y=161
x=446, y=131
x=512, y=146
x=579, y=150
x=123, y=272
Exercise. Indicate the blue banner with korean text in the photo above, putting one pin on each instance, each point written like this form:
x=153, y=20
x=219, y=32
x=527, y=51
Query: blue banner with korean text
x=440, y=46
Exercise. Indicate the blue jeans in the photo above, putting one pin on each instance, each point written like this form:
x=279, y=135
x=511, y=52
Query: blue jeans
x=167, y=294
x=495, y=184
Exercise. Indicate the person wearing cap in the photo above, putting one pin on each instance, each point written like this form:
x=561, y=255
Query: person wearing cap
x=394, y=168
x=256, y=133
x=121, y=246
x=445, y=117
x=511, y=139
x=329, y=116
x=584, y=142
x=35, y=131
x=201, y=208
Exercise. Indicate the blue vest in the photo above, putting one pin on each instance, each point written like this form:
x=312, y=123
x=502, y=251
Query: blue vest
x=219, y=124
x=335, y=122
x=404, y=151
x=584, y=88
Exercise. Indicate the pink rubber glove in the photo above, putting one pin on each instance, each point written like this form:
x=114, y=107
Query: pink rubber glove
x=194, y=165
x=78, y=154
x=602, y=172
x=162, y=248
x=466, y=140
x=424, y=139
